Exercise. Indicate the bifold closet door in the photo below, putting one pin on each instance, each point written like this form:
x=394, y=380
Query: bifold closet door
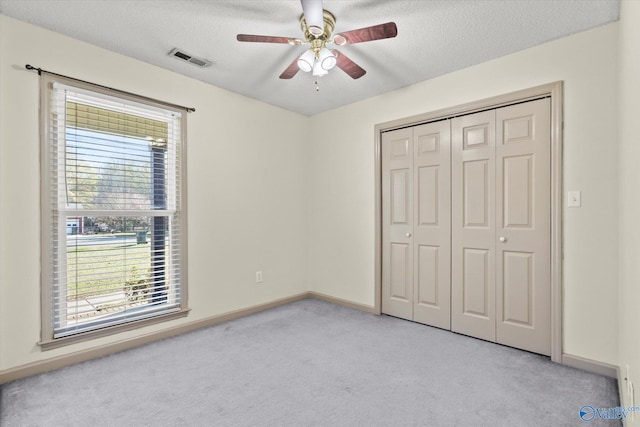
x=416, y=223
x=473, y=227
x=397, y=220
x=523, y=226
x=432, y=228
x=501, y=237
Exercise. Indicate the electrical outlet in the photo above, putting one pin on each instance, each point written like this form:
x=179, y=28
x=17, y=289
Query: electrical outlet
x=259, y=276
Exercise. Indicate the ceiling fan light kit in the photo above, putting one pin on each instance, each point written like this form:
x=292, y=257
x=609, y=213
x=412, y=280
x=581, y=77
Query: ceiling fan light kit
x=327, y=59
x=317, y=26
x=306, y=61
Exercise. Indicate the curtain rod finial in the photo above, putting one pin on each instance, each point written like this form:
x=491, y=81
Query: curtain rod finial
x=31, y=68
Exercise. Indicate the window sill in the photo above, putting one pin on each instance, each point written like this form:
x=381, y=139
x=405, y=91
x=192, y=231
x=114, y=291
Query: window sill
x=51, y=344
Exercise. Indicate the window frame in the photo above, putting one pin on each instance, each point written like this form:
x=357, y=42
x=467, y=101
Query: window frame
x=47, y=340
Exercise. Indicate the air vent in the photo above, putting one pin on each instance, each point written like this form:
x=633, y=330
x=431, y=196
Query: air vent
x=181, y=54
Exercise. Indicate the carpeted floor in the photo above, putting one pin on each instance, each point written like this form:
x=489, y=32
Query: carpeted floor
x=311, y=363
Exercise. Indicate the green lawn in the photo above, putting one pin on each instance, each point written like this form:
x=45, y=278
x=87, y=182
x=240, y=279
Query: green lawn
x=105, y=269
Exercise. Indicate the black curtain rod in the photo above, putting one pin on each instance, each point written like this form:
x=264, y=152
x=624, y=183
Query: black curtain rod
x=40, y=71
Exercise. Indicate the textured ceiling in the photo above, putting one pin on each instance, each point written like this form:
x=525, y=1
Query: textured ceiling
x=434, y=37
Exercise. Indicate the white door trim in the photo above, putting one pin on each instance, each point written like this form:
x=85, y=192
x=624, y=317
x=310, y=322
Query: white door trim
x=552, y=90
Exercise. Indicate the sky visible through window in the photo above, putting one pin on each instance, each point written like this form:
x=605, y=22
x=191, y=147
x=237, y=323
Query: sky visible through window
x=107, y=171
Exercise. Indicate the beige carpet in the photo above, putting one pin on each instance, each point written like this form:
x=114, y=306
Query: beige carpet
x=311, y=363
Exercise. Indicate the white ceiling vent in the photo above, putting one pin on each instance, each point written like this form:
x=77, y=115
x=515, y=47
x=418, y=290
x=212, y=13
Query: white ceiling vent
x=181, y=54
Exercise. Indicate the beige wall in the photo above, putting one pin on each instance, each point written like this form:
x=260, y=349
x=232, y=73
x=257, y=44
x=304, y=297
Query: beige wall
x=341, y=222
x=629, y=155
x=247, y=198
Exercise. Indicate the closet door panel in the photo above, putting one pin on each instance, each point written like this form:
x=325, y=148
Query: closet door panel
x=397, y=223
x=523, y=226
x=473, y=225
x=432, y=238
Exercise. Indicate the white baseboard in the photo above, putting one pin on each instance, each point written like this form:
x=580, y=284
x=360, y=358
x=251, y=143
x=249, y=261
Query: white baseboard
x=589, y=365
x=621, y=383
x=345, y=303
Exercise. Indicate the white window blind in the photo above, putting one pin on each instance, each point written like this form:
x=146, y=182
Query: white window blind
x=114, y=210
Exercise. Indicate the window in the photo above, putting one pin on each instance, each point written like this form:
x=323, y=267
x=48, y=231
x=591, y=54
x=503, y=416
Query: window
x=114, y=224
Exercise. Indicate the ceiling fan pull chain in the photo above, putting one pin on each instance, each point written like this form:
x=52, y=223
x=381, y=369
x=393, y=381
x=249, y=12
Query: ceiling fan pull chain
x=317, y=86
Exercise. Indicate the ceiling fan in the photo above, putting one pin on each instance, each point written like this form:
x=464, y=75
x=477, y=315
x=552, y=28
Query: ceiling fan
x=317, y=26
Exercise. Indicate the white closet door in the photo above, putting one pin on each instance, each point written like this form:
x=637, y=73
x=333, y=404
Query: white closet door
x=416, y=217
x=473, y=229
x=397, y=223
x=466, y=229
x=523, y=225
x=431, y=231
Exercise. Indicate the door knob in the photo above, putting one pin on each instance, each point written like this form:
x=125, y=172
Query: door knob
x=503, y=239
x=408, y=234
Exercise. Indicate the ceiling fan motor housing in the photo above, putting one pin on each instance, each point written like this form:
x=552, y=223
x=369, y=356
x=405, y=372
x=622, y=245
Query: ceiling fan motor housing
x=329, y=25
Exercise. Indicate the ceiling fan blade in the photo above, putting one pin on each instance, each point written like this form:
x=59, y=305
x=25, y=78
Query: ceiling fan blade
x=265, y=39
x=291, y=70
x=375, y=32
x=348, y=66
x=312, y=10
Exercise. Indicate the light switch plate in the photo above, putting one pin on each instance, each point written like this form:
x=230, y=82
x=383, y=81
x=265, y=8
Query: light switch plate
x=574, y=199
